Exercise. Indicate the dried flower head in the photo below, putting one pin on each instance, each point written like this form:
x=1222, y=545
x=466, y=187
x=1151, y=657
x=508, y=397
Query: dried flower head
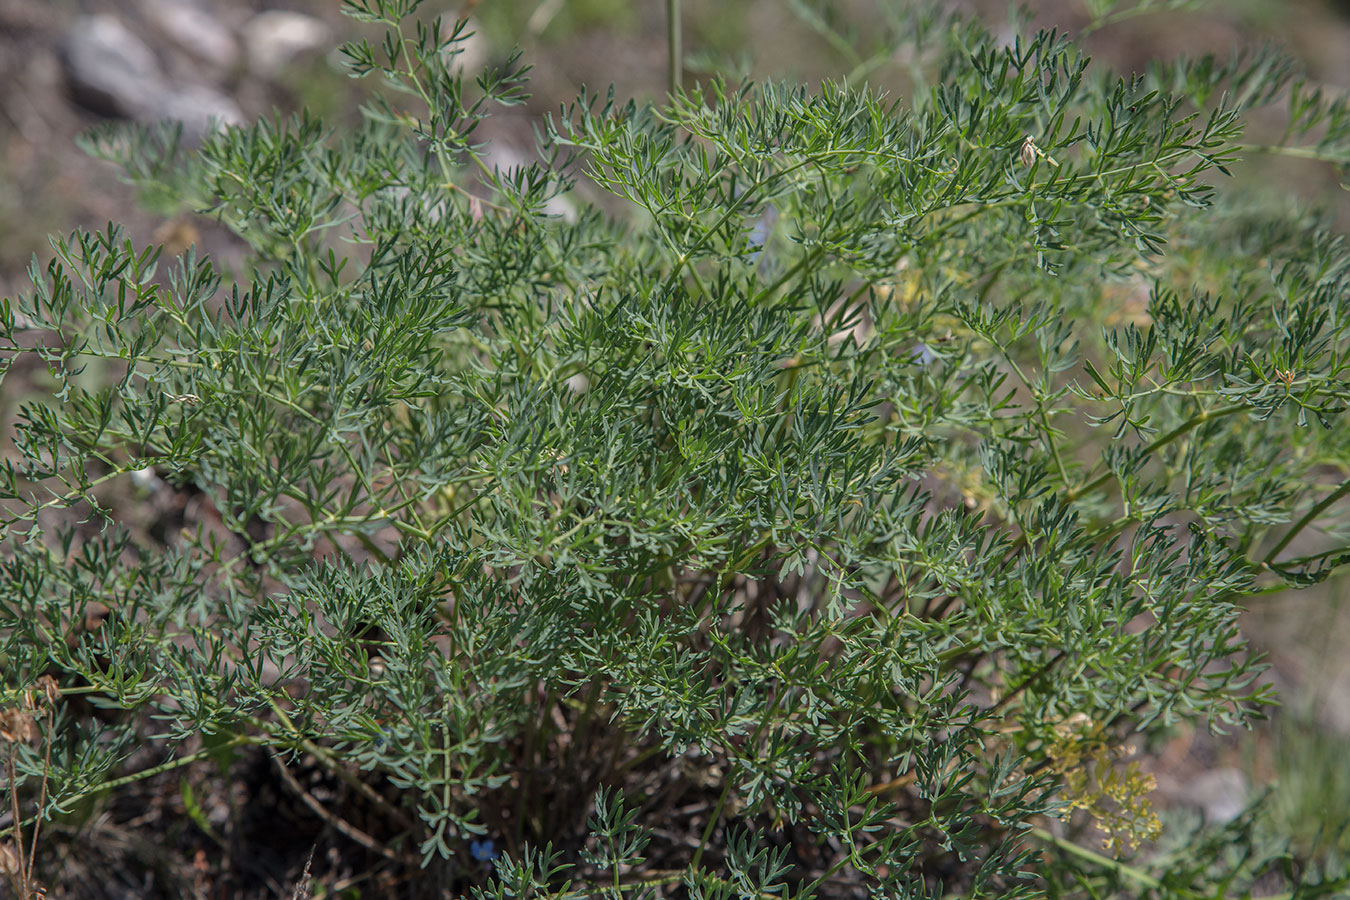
x=1028, y=152
x=9, y=859
x=49, y=688
x=17, y=726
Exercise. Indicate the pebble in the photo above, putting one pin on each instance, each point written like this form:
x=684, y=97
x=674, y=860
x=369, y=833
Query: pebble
x=201, y=109
x=470, y=55
x=275, y=38
x=195, y=30
x=113, y=72
x=1220, y=793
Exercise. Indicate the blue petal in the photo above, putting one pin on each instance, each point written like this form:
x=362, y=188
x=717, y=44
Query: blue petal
x=483, y=850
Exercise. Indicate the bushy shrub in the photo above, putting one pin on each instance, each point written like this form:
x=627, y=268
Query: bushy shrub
x=824, y=513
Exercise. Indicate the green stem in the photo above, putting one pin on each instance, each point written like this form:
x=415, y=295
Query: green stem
x=712, y=823
x=807, y=259
x=1295, y=152
x=1301, y=561
x=842, y=45
x=675, y=72
x=1137, y=876
x=1189, y=425
x=1308, y=518
x=147, y=773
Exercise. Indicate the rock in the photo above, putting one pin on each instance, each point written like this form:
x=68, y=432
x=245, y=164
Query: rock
x=470, y=55
x=195, y=30
x=275, y=38
x=505, y=159
x=111, y=70
x=1220, y=793
x=146, y=480
x=201, y=109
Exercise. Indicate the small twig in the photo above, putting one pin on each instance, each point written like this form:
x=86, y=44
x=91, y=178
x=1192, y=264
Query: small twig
x=1312, y=153
x=340, y=824
x=326, y=760
x=905, y=780
x=42, y=794
x=302, y=887
x=1049, y=664
x=15, y=876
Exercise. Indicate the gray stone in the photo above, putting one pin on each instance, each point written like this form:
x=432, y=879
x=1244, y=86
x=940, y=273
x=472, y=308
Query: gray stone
x=110, y=69
x=275, y=38
x=195, y=30
x=470, y=55
x=504, y=159
x=1220, y=793
x=113, y=72
x=201, y=109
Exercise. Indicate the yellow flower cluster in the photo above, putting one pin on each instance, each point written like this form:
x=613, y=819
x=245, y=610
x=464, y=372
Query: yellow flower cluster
x=1115, y=796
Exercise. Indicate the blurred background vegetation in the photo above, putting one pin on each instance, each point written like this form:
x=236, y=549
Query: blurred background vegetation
x=47, y=184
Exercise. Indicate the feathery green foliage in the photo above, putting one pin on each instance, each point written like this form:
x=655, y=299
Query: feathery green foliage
x=846, y=490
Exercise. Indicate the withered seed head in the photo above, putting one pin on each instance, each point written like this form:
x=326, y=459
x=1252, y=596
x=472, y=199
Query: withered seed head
x=17, y=726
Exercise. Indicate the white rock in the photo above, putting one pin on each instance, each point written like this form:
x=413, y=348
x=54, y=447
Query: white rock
x=195, y=30
x=470, y=55
x=504, y=159
x=110, y=69
x=1221, y=793
x=146, y=479
x=201, y=109
x=113, y=72
x=274, y=38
